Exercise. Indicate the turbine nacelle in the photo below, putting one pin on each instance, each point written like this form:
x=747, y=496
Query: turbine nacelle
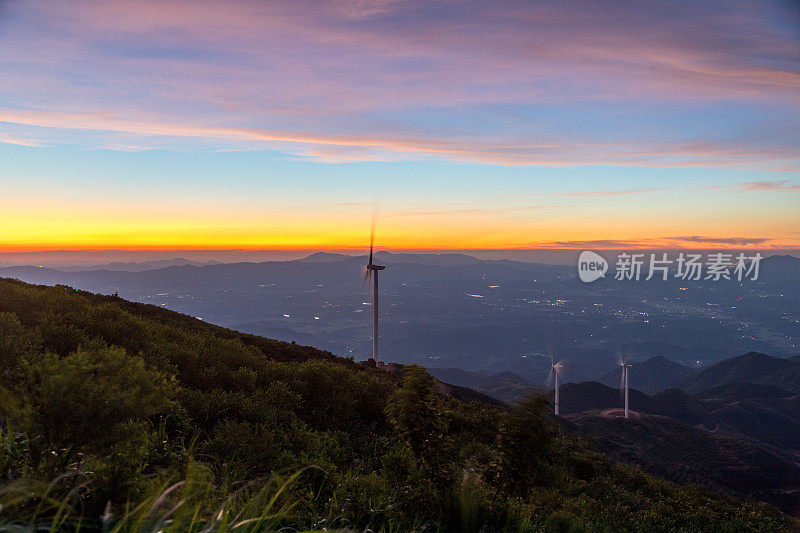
x=555, y=371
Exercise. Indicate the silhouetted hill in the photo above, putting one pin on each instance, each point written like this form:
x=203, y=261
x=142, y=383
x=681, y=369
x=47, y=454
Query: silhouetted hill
x=677, y=404
x=426, y=259
x=324, y=257
x=780, y=267
x=591, y=395
x=752, y=367
x=653, y=375
x=136, y=266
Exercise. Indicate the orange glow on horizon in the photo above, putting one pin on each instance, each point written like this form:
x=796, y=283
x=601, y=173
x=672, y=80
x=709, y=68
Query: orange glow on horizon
x=195, y=227
x=409, y=247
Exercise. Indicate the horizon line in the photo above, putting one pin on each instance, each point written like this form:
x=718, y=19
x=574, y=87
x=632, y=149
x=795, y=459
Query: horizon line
x=359, y=249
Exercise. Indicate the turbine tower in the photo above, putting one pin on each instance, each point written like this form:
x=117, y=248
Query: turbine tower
x=555, y=369
x=624, y=382
x=371, y=271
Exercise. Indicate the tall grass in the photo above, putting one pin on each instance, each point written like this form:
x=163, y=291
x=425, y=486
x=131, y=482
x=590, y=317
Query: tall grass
x=185, y=506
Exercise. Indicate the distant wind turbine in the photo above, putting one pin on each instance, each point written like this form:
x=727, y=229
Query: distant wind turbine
x=371, y=271
x=623, y=384
x=555, y=370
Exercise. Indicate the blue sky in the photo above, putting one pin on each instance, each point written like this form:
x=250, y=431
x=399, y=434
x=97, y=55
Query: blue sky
x=474, y=125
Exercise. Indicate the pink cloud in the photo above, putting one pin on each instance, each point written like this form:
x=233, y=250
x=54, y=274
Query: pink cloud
x=590, y=194
x=380, y=146
x=780, y=186
x=663, y=242
x=356, y=56
x=348, y=81
x=343, y=148
x=19, y=141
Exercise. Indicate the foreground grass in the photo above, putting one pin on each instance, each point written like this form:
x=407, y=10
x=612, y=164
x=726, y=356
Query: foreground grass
x=182, y=506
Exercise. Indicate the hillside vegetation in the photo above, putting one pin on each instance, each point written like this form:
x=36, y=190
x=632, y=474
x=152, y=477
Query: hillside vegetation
x=117, y=416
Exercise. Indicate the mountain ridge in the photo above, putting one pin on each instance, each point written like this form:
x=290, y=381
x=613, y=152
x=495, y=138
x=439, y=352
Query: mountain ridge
x=753, y=367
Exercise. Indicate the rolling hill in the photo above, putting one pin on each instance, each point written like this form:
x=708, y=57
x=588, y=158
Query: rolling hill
x=138, y=414
x=752, y=367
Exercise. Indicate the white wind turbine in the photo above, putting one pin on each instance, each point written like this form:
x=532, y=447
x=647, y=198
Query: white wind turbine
x=623, y=384
x=371, y=271
x=555, y=371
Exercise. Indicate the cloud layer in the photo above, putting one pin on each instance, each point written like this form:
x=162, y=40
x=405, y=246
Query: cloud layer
x=510, y=83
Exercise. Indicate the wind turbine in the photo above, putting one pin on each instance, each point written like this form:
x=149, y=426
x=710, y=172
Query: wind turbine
x=555, y=369
x=371, y=271
x=623, y=384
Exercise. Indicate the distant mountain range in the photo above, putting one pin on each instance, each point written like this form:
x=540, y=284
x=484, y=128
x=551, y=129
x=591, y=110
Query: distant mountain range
x=752, y=374
x=134, y=266
x=394, y=258
x=719, y=398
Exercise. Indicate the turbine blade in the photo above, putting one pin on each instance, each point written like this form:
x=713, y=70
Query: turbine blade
x=549, y=378
x=622, y=381
x=367, y=277
x=372, y=231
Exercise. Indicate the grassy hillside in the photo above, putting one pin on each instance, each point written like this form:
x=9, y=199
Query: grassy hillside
x=127, y=417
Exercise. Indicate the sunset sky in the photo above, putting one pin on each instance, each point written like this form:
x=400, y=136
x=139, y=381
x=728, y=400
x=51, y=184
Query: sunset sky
x=278, y=125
